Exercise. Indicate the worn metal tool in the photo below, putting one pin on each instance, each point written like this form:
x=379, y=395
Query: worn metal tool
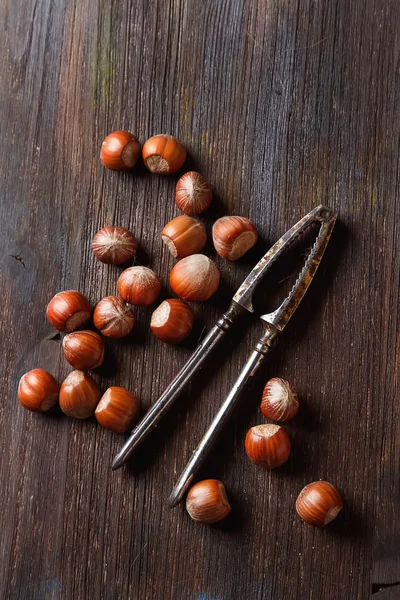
x=241, y=302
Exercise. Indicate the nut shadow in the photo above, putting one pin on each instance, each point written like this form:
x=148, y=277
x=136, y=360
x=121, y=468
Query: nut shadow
x=54, y=413
x=141, y=259
x=237, y=519
x=196, y=335
x=306, y=418
x=300, y=457
x=135, y=338
x=109, y=366
x=216, y=210
x=223, y=295
x=153, y=447
x=190, y=164
x=252, y=256
x=349, y=523
x=54, y=337
x=208, y=248
x=165, y=294
x=139, y=171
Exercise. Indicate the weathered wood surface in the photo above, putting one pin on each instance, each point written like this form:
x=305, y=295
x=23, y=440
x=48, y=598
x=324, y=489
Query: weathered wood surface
x=282, y=105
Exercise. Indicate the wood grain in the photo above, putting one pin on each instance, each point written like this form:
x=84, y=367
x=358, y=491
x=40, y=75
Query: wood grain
x=282, y=105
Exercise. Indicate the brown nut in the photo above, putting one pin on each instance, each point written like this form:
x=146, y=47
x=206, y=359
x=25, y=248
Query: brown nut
x=267, y=445
x=206, y=501
x=83, y=349
x=194, y=278
x=113, y=317
x=139, y=285
x=68, y=311
x=279, y=400
x=193, y=194
x=118, y=409
x=233, y=236
x=38, y=390
x=114, y=245
x=120, y=151
x=79, y=395
x=163, y=154
x=172, y=321
x=319, y=503
x=184, y=236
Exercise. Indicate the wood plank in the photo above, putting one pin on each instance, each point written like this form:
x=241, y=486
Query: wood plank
x=282, y=106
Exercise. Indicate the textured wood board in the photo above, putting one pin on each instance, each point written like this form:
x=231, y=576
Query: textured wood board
x=282, y=105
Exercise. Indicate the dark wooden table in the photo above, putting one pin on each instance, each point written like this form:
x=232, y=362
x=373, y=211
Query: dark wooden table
x=282, y=105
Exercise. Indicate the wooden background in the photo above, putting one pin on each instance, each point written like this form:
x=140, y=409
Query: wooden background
x=282, y=105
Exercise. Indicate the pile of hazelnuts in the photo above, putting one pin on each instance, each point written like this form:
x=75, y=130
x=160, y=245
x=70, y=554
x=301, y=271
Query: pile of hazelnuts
x=194, y=278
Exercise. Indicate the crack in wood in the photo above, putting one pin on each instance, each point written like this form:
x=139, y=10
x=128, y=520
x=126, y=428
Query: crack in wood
x=380, y=587
x=18, y=257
